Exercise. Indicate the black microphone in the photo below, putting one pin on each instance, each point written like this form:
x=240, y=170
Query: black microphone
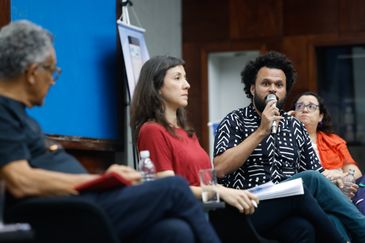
x=269, y=98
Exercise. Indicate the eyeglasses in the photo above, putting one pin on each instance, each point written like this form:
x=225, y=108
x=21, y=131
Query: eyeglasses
x=56, y=71
x=301, y=106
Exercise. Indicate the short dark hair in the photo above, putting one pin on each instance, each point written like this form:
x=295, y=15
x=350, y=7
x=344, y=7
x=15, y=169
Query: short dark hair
x=271, y=59
x=326, y=124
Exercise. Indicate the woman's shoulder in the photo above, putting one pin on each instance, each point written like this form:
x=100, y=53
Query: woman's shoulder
x=330, y=138
x=151, y=124
x=151, y=127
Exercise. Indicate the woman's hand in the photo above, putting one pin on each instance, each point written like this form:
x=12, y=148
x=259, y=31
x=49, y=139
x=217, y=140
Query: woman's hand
x=352, y=190
x=335, y=176
x=241, y=199
x=291, y=113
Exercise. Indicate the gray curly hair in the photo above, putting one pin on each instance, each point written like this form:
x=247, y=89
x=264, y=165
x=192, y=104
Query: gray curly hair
x=22, y=43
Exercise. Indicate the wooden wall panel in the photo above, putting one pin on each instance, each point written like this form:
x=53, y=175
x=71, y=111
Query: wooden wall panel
x=296, y=49
x=96, y=162
x=294, y=27
x=352, y=16
x=205, y=20
x=255, y=19
x=4, y=12
x=310, y=17
x=95, y=154
x=193, y=73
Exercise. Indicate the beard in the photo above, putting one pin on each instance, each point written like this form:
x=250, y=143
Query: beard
x=260, y=104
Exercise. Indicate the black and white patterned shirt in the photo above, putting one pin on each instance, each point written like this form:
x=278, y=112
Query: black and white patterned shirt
x=276, y=158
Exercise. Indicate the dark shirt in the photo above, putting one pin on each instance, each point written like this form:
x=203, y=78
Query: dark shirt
x=276, y=158
x=21, y=138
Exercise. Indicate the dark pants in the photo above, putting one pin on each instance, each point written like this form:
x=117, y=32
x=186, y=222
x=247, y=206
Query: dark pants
x=294, y=229
x=341, y=210
x=164, y=210
x=289, y=219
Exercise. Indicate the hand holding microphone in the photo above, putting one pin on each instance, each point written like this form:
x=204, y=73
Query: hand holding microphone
x=269, y=98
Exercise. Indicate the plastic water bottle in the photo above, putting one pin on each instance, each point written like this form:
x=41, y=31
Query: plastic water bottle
x=348, y=181
x=146, y=166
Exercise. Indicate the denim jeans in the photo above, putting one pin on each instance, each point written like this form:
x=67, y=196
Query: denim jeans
x=164, y=210
x=335, y=204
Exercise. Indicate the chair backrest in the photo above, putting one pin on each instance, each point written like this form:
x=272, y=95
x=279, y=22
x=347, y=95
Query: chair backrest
x=64, y=219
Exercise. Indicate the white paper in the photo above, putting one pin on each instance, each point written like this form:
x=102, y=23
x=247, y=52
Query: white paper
x=284, y=189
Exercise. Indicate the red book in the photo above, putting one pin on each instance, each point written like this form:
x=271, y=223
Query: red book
x=104, y=182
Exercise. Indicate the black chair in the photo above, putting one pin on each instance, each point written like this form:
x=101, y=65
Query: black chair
x=63, y=219
x=230, y=225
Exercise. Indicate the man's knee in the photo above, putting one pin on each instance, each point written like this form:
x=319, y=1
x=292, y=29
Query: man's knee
x=175, y=181
x=174, y=185
x=310, y=174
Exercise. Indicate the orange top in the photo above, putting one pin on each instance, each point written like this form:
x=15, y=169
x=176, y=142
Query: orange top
x=333, y=151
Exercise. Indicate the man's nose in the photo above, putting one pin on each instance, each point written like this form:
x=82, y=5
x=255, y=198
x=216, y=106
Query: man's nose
x=272, y=88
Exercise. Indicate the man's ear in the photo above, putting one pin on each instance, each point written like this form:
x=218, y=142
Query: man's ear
x=252, y=89
x=30, y=73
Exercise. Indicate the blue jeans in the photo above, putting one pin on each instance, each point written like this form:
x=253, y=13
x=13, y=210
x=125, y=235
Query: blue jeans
x=335, y=204
x=164, y=210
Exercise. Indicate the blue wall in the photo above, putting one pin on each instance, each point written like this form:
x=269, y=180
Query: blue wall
x=84, y=101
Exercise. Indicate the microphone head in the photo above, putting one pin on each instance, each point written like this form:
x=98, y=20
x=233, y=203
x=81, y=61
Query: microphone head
x=270, y=97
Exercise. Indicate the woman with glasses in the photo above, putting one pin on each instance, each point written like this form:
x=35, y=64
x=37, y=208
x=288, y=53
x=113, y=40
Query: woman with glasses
x=331, y=149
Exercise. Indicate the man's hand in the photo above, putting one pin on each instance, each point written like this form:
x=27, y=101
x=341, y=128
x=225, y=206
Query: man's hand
x=270, y=114
x=127, y=172
x=24, y=181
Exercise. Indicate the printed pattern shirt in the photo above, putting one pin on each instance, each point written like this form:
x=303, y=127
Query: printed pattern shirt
x=276, y=158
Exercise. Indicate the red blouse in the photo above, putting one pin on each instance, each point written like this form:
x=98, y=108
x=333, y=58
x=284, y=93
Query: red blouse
x=181, y=154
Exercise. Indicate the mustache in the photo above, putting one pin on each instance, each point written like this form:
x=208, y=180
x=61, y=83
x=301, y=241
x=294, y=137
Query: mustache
x=260, y=104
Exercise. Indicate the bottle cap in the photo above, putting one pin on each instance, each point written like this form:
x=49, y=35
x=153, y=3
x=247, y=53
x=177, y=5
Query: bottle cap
x=145, y=154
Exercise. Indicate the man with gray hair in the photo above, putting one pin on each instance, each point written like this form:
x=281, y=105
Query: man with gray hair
x=28, y=68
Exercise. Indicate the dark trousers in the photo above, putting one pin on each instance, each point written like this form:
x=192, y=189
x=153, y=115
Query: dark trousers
x=164, y=210
x=289, y=219
x=341, y=210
